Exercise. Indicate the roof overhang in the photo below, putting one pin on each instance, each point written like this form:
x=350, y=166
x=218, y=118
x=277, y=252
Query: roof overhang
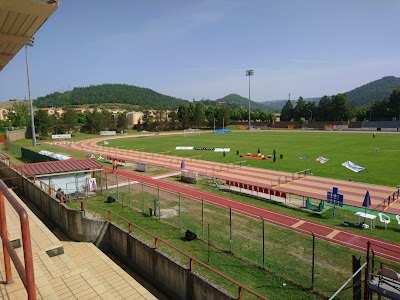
x=19, y=21
x=59, y=167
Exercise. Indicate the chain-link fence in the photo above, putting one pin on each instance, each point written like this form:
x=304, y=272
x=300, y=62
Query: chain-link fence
x=300, y=258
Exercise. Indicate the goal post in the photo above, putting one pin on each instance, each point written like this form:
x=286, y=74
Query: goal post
x=191, y=131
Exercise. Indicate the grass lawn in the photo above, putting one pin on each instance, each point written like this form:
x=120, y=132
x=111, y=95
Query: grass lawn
x=360, y=148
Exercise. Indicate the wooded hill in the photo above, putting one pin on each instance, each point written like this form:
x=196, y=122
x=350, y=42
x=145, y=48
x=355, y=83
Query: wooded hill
x=142, y=98
x=133, y=97
x=376, y=90
x=236, y=101
x=362, y=96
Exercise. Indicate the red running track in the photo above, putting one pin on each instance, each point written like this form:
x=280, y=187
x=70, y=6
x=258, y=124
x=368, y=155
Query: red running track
x=345, y=238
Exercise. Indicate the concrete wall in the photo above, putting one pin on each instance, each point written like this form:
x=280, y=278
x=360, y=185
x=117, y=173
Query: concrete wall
x=15, y=135
x=171, y=277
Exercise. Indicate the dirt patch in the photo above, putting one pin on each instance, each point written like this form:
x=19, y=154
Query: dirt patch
x=93, y=216
x=168, y=213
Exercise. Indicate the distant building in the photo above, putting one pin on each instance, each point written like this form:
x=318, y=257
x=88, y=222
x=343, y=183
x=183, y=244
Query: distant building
x=53, y=110
x=134, y=118
x=3, y=114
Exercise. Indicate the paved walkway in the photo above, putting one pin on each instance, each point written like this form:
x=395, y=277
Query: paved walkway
x=79, y=271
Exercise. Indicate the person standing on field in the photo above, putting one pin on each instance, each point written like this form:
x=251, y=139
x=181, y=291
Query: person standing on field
x=114, y=164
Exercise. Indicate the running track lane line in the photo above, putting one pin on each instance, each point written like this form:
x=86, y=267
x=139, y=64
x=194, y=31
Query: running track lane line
x=344, y=238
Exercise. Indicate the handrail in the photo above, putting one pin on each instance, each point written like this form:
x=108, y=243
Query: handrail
x=25, y=273
x=191, y=258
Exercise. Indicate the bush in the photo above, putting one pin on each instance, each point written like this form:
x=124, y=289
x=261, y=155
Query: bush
x=281, y=156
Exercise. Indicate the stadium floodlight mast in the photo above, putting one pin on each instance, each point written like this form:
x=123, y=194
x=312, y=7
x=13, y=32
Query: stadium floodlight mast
x=249, y=73
x=30, y=44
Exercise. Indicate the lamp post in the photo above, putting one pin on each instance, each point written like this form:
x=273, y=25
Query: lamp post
x=30, y=44
x=249, y=73
x=311, y=114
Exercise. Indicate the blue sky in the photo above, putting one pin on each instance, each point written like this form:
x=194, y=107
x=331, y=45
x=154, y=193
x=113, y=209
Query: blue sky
x=201, y=49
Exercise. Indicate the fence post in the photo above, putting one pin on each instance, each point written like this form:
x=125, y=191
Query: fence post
x=313, y=261
x=106, y=181
x=208, y=242
x=159, y=202
x=366, y=294
x=101, y=182
x=142, y=198
x=116, y=180
x=129, y=191
x=202, y=218
x=180, y=211
x=263, y=242
x=230, y=229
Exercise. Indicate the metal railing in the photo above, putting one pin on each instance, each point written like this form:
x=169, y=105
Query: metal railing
x=157, y=240
x=192, y=259
x=25, y=273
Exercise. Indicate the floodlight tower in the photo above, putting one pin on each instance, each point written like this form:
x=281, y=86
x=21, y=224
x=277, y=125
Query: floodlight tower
x=30, y=44
x=249, y=73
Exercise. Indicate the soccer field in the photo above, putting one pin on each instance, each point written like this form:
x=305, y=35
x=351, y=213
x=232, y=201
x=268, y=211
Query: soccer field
x=379, y=156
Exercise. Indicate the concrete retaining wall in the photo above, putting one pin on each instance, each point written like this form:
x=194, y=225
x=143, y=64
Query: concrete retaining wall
x=15, y=135
x=171, y=277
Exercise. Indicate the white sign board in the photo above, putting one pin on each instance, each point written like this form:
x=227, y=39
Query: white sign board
x=111, y=132
x=222, y=149
x=60, y=136
x=183, y=148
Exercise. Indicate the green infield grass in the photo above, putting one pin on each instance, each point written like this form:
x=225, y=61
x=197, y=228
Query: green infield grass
x=379, y=156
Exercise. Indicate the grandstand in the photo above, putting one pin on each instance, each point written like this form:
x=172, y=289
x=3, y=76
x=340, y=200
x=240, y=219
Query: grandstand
x=382, y=125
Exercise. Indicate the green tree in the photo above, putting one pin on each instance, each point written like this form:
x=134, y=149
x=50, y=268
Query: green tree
x=43, y=123
x=147, y=120
x=122, y=121
x=271, y=117
x=173, y=120
x=199, y=114
x=263, y=115
x=223, y=115
x=287, y=112
x=323, y=110
x=379, y=110
x=211, y=114
x=300, y=110
x=18, y=114
x=394, y=103
x=362, y=114
x=340, y=108
x=58, y=124
x=95, y=122
x=184, y=115
x=108, y=121
x=69, y=119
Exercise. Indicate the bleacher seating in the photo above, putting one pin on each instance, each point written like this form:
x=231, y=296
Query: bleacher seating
x=381, y=124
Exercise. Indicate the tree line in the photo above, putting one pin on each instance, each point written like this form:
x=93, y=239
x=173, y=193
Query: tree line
x=338, y=108
x=18, y=116
x=198, y=115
